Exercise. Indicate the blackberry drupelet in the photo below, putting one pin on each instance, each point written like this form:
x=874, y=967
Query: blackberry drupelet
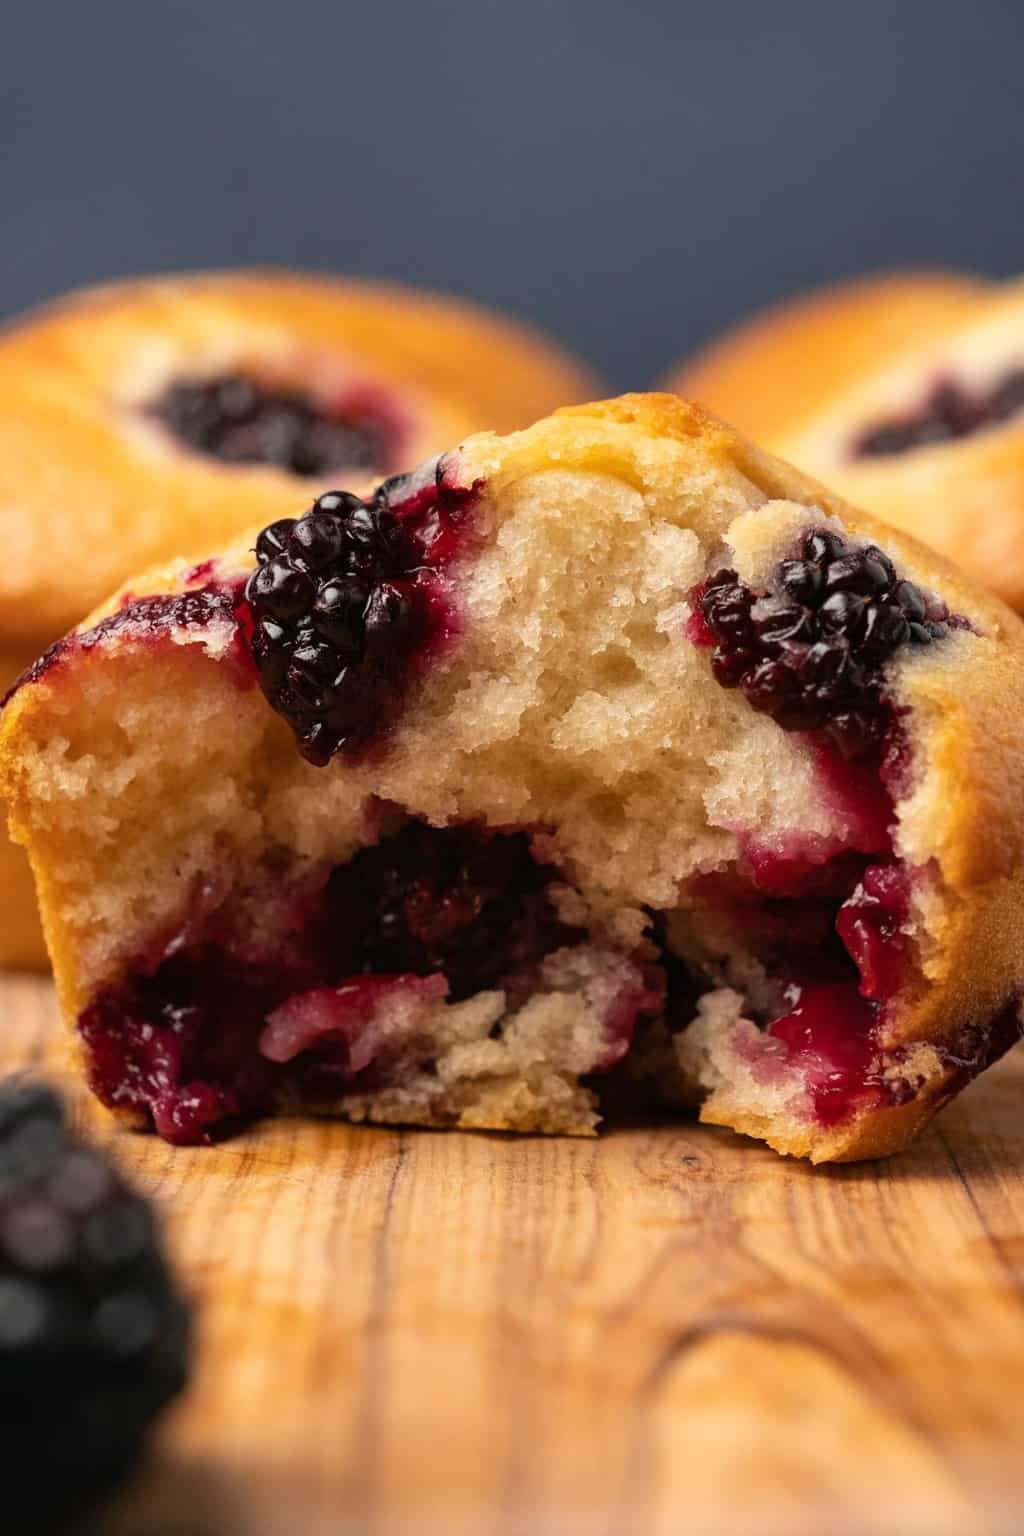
x=344, y=604
x=949, y=412
x=454, y=900
x=235, y=419
x=93, y=1337
x=812, y=652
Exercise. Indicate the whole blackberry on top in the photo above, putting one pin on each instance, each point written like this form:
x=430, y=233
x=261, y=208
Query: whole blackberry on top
x=347, y=600
x=811, y=653
x=93, y=1336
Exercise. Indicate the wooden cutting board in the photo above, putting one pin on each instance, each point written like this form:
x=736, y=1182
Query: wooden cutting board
x=667, y=1331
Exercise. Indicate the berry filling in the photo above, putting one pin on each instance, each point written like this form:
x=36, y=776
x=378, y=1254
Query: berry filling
x=870, y=924
x=829, y=1037
x=811, y=652
x=949, y=412
x=474, y=908
x=240, y=421
x=848, y=958
x=831, y=938
x=828, y=940
x=302, y=996
x=348, y=604
x=214, y=1027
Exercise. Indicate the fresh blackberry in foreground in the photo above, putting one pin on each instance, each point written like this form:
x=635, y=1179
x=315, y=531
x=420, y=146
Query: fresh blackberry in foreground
x=235, y=419
x=949, y=412
x=344, y=605
x=93, y=1337
x=811, y=653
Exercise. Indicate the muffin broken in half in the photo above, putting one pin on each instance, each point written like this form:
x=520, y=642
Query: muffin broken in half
x=611, y=752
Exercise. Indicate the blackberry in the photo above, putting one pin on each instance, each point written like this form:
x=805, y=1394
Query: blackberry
x=237, y=420
x=93, y=1337
x=947, y=413
x=182, y=1043
x=811, y=653
x=455, y=900
x=345, y=603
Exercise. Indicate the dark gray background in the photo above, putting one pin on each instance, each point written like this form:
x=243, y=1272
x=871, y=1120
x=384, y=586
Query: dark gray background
x=631, y=175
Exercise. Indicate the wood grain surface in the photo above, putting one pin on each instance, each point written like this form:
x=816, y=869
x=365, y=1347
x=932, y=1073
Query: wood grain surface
x=667, y=1331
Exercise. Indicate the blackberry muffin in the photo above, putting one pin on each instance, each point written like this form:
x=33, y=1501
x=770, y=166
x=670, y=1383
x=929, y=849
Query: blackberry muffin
x=905, y=394
x=609, y=755
x=155, y=418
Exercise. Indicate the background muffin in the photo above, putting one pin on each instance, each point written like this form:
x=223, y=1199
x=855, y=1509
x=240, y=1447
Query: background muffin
x=906, y=393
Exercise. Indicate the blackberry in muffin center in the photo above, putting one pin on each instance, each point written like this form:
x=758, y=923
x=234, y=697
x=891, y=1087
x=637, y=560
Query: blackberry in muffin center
x=345, y=603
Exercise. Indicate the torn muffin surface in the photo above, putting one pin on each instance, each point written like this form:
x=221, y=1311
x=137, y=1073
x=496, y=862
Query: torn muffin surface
x=609, y=754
